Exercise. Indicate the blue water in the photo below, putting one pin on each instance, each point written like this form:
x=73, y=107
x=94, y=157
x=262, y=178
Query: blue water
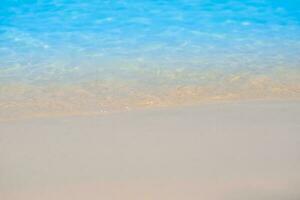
x=78, y=56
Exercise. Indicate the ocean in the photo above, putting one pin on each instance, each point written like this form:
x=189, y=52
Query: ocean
x=83, y=57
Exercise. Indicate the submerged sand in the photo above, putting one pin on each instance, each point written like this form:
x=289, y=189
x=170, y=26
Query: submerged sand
x=230, y=151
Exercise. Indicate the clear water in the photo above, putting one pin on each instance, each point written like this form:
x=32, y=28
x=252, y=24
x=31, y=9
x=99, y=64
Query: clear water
x=89, y=57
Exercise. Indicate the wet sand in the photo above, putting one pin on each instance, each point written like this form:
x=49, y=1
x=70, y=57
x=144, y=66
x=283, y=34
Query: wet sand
x=230, y=151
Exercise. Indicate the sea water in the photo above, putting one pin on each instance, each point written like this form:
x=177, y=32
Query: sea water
x=62, y=57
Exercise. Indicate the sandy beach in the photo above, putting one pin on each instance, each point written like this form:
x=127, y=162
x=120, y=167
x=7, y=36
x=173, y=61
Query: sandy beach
x=150, y=100
x=220, y=151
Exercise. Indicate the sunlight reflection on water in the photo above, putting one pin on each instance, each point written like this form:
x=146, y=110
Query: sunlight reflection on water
x=124, y=54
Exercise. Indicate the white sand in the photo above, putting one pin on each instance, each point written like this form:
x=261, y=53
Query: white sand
x=233, y=151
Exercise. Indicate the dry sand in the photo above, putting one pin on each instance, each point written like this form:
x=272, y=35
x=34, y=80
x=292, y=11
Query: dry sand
x=228, y=151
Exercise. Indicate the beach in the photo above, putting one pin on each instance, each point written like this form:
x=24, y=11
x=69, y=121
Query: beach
x=214, y=151
x=149, y=100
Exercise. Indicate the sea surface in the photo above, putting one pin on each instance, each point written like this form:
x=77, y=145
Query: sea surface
x=83, y=57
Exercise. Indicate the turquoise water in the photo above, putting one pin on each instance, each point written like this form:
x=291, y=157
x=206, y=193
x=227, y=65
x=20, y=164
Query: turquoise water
x=75, y=57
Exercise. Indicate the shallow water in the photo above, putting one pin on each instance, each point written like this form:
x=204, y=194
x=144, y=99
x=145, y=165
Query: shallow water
x=90, y=57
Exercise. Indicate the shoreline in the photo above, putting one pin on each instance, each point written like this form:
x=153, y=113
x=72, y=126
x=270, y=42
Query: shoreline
x=84, y=114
